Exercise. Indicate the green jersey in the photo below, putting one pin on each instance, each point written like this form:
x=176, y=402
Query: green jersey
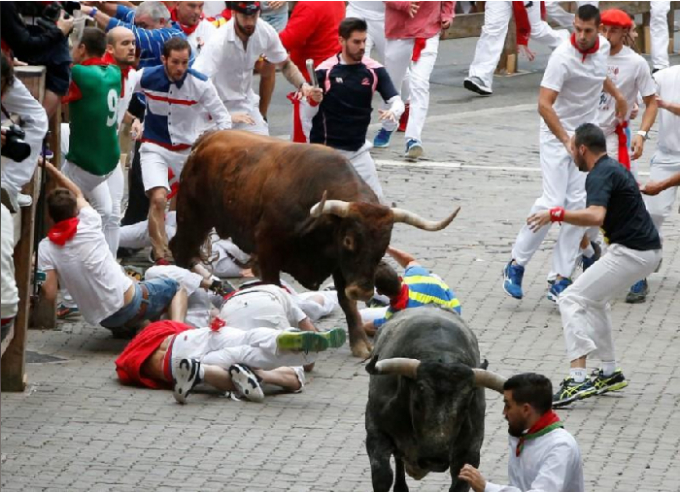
x=93, y=101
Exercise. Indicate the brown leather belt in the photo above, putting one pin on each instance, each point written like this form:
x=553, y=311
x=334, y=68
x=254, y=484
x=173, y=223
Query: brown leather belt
x=142, y=308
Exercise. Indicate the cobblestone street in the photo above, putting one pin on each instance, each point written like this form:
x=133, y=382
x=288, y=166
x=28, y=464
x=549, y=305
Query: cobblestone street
x=77, y=429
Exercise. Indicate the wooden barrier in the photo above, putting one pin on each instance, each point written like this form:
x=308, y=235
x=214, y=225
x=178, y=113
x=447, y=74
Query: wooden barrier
x=470, y=25
x=13, y=377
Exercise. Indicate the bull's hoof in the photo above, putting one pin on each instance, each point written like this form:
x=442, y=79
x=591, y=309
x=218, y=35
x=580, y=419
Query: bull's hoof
x=362, y=349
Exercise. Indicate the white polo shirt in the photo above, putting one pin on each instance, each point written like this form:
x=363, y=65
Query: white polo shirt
x=126, y=97
x=578, y=80
x=201, y=36
x=668, y=147
x=630, y=74
x=10, y=293
x=550, y=463
x=230, y=66
x=87, y=269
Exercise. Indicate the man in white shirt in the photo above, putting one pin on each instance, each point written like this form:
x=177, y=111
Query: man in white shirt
x=190, y=17
x=10, y=294
x=178, y=97
x=229, y=58
x=658, y=31
x=665, y=163
x=569, y=96
x=543, y=456
x=75, y=255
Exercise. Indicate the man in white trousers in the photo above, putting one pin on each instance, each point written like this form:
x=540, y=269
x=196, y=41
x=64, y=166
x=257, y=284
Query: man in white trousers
x=412, y=30
x=339, y=114
x=374, y=15
x=658, y=31
x=614, y=203
x=569, y=96
x=665, y=163
x=490, y=45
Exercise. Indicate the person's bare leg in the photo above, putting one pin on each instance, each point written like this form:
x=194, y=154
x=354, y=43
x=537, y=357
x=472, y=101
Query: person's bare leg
x=157, y=202
x=281, y=376
x=218, y=378
x=178, y=306
x=267, y=73
x=51, y=103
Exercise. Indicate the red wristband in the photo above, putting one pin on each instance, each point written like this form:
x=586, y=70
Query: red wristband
x=557, y=214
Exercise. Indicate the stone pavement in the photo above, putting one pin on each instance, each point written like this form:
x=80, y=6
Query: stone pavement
x=77, y=429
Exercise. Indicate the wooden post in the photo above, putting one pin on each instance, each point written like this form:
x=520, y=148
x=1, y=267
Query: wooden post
x=12, y=373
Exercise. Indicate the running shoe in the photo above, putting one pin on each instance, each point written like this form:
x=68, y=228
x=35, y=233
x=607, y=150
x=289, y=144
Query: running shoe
x=604, y=384
x=246, y=382
x=186, y=374
x=414, y=149
x=403, y=121
x=512, y=280
x=571, y=391
x=475, y=84
x=558, y=287
x=311, y=341
x=638, y=292
x=66, y=312
x=382, y=139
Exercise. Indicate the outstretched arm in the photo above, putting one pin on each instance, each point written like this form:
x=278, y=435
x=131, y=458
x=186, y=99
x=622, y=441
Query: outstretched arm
x=64, y=182
x=402, y=257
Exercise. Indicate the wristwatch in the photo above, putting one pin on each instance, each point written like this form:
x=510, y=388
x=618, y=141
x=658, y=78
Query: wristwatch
x=643, y=134
x=93, y=12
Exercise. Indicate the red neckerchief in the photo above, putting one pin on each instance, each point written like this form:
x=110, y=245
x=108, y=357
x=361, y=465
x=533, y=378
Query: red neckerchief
x=63, y=231
x=400, y=301
x=94, y=61
x=124, y=70
x=521, y=16
x=548, y=422
x=585, y=53
x=188, y=30
x=216, y=324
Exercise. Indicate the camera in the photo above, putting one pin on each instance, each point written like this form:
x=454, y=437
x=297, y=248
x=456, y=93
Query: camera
x=15, y=148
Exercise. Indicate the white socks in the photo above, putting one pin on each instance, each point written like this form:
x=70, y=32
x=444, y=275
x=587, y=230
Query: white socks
x=578, y=374
x=608, y=368
x=589, y=251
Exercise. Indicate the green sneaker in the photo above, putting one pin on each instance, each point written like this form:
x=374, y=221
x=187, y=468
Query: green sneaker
x=571, y=391
x=311, y=341
x=604, y=384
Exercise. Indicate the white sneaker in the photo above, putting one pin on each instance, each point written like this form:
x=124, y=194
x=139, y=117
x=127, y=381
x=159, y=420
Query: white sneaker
x=24, y=200
x=186, y=374
x=246, y=383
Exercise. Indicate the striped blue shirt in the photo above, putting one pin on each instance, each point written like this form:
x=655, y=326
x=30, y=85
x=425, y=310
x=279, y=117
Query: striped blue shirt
x=149, y=41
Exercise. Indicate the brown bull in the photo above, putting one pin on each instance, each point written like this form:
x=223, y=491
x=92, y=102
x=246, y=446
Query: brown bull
x=265, y=194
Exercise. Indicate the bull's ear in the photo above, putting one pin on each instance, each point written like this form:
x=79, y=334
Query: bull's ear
x=484, y=365
x=370, y=367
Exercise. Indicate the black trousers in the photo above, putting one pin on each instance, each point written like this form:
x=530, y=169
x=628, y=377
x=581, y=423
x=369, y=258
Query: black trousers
x=138, y=203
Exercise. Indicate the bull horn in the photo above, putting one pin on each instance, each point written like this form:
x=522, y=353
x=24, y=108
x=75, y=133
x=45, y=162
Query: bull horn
x=398, y=365
x=410, y=218
x=333, y=207
x=488, y=379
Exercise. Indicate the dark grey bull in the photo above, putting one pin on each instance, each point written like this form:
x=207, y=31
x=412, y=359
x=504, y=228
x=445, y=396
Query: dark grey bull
x=426, y=398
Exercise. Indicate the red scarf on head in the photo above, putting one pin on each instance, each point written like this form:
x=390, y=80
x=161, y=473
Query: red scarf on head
x=124, y=70
x=400, y=301
x=188, y=30
x=585, y=53
x=548, y=422
x=63, y=231
x=624, y=157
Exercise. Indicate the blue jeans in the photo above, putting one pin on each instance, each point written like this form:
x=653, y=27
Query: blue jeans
x=161, y=293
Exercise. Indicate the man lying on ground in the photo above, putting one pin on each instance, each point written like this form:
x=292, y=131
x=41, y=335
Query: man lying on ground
x=170, y=354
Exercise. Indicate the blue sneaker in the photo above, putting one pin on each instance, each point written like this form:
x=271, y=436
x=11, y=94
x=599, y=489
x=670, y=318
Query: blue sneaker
x=414, y=149
x=382, y=139
x=558, y=287
x=638, y=292
x=512, y=280
x=588, y=262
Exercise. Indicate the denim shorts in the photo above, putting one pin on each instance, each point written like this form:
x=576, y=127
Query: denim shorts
x=161, y=292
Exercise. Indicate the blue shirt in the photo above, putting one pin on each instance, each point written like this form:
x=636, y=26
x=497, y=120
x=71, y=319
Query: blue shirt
x=149, y=41
x=423, y=289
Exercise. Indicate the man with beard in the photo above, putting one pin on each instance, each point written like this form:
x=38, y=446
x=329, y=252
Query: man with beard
x=569, y=96
x=341, y=120
x=229, y=58
x=543, y=456
x=614, y=203
x=177, y=99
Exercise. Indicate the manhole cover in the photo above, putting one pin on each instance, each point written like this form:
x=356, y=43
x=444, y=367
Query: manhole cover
x=38, y=358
